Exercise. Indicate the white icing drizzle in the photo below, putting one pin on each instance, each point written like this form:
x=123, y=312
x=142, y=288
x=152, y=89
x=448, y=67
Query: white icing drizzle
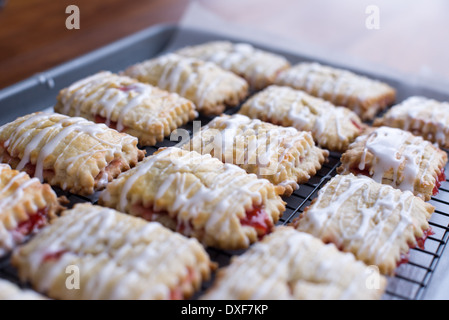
x=227, y=192
x=106, y=249
x=372, y=220
x=175, y=68
x=265, y=150
x=280, y=265
x=324, y=80
x=240, y=58
x=423, y=115
x=106, y=92
x=50, y=137
x=307, y=113
x=392, y=147
x=8, y=238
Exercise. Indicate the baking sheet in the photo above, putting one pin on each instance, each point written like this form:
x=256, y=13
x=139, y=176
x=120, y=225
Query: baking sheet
x=40, y=91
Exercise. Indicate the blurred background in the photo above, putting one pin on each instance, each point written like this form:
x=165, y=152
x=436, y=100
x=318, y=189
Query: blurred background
x=410, y=37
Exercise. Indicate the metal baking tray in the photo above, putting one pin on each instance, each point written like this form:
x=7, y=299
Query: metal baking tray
x=412, y=280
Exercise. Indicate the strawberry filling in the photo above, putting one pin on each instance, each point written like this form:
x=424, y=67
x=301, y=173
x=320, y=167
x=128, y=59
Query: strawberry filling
x=35, y=222
x=177, y=293
x=111, y=124
x=438, y=181
x=420, y=243
x=54, y=256
x=257, y=218
x=357, y=125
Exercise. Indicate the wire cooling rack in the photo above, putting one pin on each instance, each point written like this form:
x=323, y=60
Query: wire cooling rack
x=411, y=279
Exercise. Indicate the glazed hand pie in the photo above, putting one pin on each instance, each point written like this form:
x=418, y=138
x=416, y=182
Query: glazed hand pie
x=198, y=196
x=117, y=257
x=333, y=128
x=377, y=223
x=398, y=158
x=293, y=265
x=258, y=67
x=284, y=156
x=422, y=116
x=9, y=291
x=126, y=105
x=210, y=87
x=72, y=153
x=26, y=205
x=366, y=97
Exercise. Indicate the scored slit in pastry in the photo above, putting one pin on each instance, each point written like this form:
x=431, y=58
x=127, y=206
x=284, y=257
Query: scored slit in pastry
x=208, y=86
x=124, y=104
x=282, y=155
x=26, y=206
x=288, y=264
x=365, y=96
x=199, y=196
x=397, y=158
x=74, y=154
x=256, y=66
x=377, y=223
x=422, y=116
x=118, y=257
x=333, y=128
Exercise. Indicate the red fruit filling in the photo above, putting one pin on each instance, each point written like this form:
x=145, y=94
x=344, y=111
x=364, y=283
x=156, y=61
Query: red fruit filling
x=357, y=125
x=35, y=222
x=258, y=218
x=110, y=124
x=420, y=243
x=54, y=256
x=177, y=293
x=438, y=181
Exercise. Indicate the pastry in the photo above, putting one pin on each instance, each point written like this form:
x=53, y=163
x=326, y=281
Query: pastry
x=377, y=223
x=126, y=105
x=421, y=116
x=333, y=128
x=258, y=67
x=398, y=158
x=95, y=253
x=9, y=291
x=284, y=156
x=366, y=97
x=199, y=196
x=26, y=206
x=294, y=265
x=210, y=87
x=74, y=154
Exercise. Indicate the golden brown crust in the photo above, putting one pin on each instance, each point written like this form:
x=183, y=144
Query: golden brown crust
x=211, y=88
x=72, y=153
x=377, y=223
x=423, y=117
x=366, y=97
x=198, y=196
x=283, y=156
x=333, y=128
x=258, y=67
x=293, y=265
x=126, y=105
x=117, y=257
x=397, y=158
